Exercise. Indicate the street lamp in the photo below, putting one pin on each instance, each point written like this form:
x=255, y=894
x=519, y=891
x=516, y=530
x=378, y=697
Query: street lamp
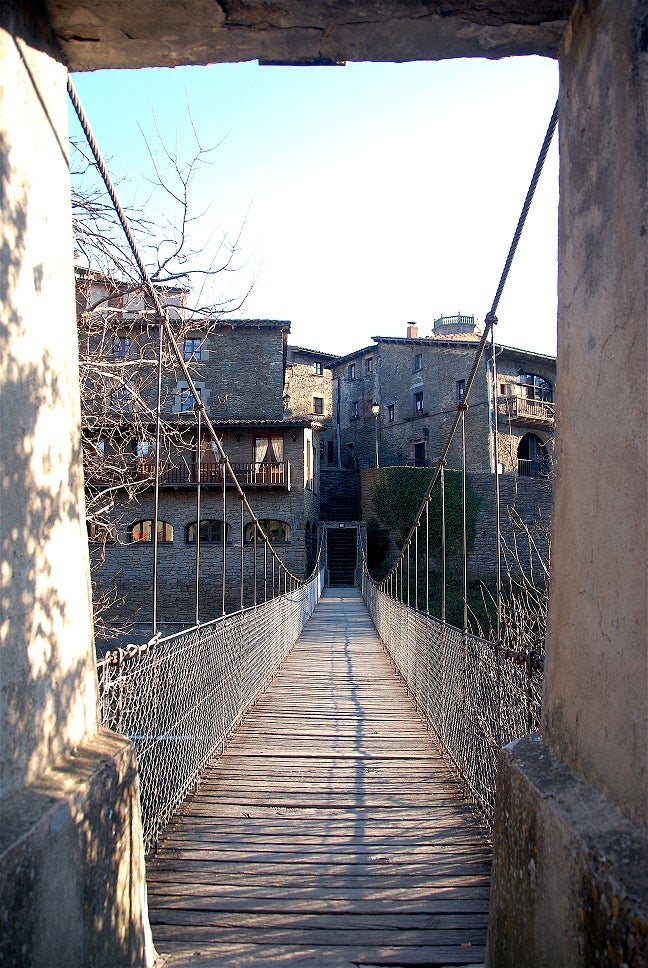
x=375, y=409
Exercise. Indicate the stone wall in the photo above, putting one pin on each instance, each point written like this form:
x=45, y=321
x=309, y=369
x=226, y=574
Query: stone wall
x=126, y=570
x=340, y=495
x=525, y=503
x=241, y=372
x=129, y=566
x=303, y=384
x=72, y=888
x=442, y=364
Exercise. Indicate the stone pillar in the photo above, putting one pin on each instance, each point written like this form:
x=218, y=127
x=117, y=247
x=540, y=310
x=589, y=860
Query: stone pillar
x=570, y=882
x=72, y=887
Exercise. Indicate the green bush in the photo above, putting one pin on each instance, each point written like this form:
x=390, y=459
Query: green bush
x=397, y=497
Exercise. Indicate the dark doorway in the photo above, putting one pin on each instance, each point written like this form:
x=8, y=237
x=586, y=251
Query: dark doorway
x=533, y=457
x=341, y=555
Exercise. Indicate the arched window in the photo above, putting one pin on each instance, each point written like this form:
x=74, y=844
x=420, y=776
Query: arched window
x=278, y=532
x=211, y=532
x=143, y=531
x=533, y=457
x=535, y=387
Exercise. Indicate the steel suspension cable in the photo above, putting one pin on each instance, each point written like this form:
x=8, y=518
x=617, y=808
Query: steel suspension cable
x=198, y=515
x=491, y=317
x=224, y=500
x=464, y=537
x=156, y=484
x=427, y=556
x=161, y=312
x=416, y=564
x=498, y=523
x=443, y=543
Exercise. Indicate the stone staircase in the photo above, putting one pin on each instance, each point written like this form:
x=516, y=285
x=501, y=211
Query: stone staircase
x=342, y=556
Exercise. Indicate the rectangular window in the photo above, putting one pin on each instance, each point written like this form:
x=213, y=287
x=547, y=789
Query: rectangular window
x=145, y=448
x=121, y=347
x=352, y=371
x=418, y=362
x=318, y=405
x=460, y=390
x=502, y=389
x=390, y=412
x=318, y=368
x=121, y=399
x=187, y=398
x=418, y=402
x=269, y=460
x=369, y=364
x=192, y=349
x=355, y=410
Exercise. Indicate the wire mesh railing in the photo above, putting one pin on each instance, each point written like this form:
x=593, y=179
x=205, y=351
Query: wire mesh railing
x=179, y=698
x=474, y=695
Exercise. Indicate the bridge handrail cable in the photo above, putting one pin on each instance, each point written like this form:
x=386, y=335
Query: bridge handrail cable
x=462, y=406
x=476, y=695
x=166, y=330
x=179, y=698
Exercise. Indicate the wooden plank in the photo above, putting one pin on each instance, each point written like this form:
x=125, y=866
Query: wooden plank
x=309, y=956
x=330, y=831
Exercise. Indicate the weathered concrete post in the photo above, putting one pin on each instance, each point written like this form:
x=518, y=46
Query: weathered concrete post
x=72, y=889
x=571, y=838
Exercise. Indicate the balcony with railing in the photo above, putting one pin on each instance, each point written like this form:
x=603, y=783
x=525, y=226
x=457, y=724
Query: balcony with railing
x=247, y=473
x=538, y=467
x=527, y=411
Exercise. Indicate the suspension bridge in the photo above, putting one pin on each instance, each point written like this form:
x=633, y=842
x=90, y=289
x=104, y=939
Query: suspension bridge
x=327, y=768
x=570, y=845
x=317, y=769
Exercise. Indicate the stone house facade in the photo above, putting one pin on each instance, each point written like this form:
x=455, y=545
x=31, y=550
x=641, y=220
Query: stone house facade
x=239, y=370
x=284, y=495
x=395, y=401
x=309, y=392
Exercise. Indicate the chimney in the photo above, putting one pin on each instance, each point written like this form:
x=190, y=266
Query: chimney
x=412, y=331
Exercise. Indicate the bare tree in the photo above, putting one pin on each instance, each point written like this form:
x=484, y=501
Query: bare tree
x=524, y=596
x=119, y=334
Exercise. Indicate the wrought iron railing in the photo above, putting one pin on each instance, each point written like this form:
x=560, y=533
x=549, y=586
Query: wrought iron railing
x=179, y=698
x=526, y=410
x=474, y=695
x=260, y=474
x=537, y=467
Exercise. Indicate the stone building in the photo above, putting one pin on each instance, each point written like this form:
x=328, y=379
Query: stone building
x=309, y=392
x=395, y=401
x=238, y=368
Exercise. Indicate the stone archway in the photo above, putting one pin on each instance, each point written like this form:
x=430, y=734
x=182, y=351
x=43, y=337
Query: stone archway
x=532, y=457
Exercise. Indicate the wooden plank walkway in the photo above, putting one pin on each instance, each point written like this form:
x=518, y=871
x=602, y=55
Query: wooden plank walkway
x=330, y=832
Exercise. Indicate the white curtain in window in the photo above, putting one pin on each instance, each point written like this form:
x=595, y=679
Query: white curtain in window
x=277, y=449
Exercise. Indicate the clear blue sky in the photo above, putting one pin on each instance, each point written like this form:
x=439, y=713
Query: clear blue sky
x=372, y=195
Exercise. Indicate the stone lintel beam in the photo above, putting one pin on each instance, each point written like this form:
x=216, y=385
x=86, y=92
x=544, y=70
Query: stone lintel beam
x=95, y=34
